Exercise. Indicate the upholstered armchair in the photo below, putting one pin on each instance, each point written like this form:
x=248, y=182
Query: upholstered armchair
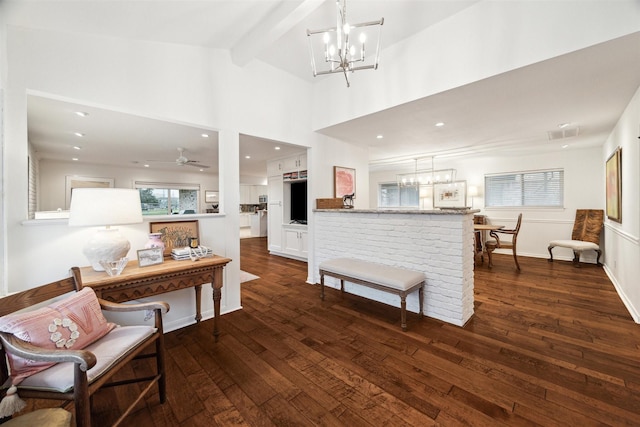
x=585, y=236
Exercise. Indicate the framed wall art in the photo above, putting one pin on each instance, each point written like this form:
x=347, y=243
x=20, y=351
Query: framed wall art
x=175, y=234
x=450, y=195
x=344, y=181
x=614, y=186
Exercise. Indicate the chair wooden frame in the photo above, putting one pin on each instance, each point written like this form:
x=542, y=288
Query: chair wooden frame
x=83, y=360
x=496, y=243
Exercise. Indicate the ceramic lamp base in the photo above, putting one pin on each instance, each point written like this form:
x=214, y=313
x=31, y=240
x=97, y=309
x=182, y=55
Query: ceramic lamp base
x=106, y=245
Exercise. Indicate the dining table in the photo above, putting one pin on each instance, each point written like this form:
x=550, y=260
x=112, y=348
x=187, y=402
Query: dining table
x=480, y=234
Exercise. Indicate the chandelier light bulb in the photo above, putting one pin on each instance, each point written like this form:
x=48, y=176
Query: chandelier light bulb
x=326, y=38
x=346, y=29
x=332, y=50
x=363, y=38
x=352, y=50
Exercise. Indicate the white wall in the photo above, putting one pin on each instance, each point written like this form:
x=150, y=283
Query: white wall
x=165, y=81
x=488, y=38
x=52, y=175
x=584, y=177
x=622, y=240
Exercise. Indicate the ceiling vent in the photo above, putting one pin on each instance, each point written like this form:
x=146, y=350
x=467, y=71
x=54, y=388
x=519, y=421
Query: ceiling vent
x=563, y=133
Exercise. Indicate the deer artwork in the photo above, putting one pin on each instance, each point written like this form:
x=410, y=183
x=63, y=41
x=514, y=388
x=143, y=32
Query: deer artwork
x=347, y=200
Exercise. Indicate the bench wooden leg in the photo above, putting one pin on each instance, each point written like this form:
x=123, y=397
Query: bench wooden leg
x=403, y=312
x=421, y=298
x=322, y=286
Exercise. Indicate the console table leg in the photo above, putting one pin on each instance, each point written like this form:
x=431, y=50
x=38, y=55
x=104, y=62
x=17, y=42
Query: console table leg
x=198, y=290
x=217, y=295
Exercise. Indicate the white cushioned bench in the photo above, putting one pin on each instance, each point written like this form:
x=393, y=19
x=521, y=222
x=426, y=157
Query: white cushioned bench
x=377, y=276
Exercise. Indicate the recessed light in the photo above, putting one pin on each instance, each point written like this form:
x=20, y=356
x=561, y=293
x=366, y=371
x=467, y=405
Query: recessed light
x=205, y=135
x=75, y=159
x=276, y=148
x=247, y=157
x=439, y=124
x=78, y=134
x=201, y=170
x=75, y=147
x=565, y=146
x=379, y=136
x=146, y=166
x=82, y=113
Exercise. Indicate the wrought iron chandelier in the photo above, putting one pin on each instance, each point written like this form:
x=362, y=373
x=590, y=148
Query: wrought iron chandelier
x=339, y=54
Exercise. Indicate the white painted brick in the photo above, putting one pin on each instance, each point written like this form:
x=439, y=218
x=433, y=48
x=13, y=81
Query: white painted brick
x=439, y=245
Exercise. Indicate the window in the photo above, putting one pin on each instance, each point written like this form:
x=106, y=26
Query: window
x=392, y=195
x=536, y=189
x=167, y=199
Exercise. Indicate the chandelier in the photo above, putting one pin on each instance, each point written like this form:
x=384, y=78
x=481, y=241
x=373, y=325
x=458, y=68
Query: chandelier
x=338, y=53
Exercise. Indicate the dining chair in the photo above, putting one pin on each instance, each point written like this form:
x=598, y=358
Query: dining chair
x=496, y=243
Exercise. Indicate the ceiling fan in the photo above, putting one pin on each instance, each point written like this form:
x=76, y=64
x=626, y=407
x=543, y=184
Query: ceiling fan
x=184, y=161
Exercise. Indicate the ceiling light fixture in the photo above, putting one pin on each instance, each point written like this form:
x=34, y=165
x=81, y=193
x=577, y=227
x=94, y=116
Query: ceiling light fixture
x=338, y=53
x=205, y=135
x=78, y=134
x=276, y=148
x=380, y=136
x=82, y=113
x=75, y=147
x=563, y=125
x=247, y=157
x=439, y=124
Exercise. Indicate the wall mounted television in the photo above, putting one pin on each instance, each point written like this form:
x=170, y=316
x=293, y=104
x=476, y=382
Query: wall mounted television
x=298, y=208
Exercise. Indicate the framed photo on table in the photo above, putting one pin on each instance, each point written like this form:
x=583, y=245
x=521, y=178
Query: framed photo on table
x=450, y=194
x=175, y=234
x=150, y=256
x=614, y=186
x=344, y=181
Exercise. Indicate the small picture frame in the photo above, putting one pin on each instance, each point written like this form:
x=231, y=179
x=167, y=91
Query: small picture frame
x=175, y=234
x=211, y=196
x=450, y=195
x=150, y=256
x=613, y=172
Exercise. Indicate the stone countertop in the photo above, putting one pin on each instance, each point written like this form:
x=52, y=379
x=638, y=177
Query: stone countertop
x=405, y=211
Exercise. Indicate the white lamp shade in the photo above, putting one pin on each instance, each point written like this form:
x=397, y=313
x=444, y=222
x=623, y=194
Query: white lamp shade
x=104, y=206
x=473, y=190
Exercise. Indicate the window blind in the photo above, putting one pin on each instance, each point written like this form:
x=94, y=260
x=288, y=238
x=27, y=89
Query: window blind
x=544, y=188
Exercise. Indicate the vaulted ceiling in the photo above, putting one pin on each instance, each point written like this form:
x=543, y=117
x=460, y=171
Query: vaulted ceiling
x=587, y=89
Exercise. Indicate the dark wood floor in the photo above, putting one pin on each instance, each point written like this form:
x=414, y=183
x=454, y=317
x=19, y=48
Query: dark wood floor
x=551, y=346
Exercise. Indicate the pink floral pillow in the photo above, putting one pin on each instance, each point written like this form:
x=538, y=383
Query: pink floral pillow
x=71, y=323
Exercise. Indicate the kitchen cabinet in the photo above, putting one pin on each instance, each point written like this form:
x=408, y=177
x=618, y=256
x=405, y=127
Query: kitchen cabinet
x=295, y=241
x=245, y=219
x=275, y=218
x=259, y=224
x=295, y=163
x=250, y=194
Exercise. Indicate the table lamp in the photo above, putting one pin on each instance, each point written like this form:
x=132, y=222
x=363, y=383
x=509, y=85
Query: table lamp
x=473, y=192
x=105, y=207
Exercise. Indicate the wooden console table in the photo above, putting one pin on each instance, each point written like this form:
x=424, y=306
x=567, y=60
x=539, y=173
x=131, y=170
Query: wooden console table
x=139, y=282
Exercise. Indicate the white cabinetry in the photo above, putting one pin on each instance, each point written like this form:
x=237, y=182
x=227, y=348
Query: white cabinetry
x=245, y=219
x=250, y=194
x=295, y=163
x=274, y=219
x=295, y=240
x=275, y=167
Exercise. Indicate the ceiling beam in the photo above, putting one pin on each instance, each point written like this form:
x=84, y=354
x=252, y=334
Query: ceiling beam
x=284, y=17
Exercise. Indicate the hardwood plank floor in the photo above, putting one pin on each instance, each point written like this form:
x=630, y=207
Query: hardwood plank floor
x=550, y=346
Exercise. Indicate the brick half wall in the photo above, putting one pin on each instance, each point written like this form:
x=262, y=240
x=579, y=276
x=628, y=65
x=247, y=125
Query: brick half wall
x=440, y=244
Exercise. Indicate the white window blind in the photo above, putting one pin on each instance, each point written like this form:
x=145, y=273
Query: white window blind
x=392, y=195
x=544, y=188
